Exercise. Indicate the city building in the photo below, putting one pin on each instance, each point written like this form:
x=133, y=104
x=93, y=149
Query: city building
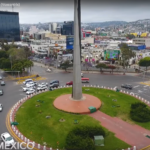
x=33, y=29
x=68, y=28
x=54, y=26
x=9, y=26
x=50, y=28
x=142, y=41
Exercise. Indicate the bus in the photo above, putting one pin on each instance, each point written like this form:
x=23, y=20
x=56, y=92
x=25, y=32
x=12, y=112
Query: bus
x=85, y=80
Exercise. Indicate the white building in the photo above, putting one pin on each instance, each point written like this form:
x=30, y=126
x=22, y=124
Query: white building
x=33, y=30
x=54, y=26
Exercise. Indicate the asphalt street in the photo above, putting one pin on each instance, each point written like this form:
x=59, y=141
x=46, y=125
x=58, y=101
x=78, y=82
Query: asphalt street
x=13, y=92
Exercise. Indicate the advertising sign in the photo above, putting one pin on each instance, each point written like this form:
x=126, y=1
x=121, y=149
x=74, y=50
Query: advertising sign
x=69, y=42
x=111, y=54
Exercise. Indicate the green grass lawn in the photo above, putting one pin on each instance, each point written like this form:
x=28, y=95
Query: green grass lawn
x=36, y=127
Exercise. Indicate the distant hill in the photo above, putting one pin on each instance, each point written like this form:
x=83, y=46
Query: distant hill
x=106, y=24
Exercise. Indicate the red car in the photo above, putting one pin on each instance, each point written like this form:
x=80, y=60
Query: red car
x=69, y=83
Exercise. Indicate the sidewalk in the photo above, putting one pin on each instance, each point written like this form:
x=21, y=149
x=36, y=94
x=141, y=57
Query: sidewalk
x=134, y=135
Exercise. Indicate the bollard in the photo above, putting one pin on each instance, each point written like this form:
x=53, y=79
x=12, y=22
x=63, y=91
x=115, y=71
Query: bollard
x=28, y=140
x=44, y=147
x=134, y=147
x=39, y=146
x=50, y=148
x=25, y=139
x=33, y=144
x=16, y=132
x=14, y=129
x=19, y=135
x=128, y=148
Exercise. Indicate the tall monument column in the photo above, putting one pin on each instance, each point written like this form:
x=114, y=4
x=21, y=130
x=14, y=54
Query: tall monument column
x=77, y=85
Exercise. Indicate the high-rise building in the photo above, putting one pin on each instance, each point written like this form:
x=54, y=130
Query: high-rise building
x=50, y=27
x=9, y=26
x=54, y=26
x=68, y=28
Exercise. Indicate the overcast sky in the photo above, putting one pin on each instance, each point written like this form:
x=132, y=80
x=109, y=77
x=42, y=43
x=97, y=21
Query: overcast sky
x=35, y=11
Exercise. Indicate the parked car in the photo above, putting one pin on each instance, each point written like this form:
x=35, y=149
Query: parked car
x=31, y=91
x=1, y=78
x=2, y=83
x=69, y=83
x=1, y=92
x=25, y=89
x=126, y=86
x=42, y=87
x=1, y=107
x=54, y=81
x=54, y=85
x=7, y=139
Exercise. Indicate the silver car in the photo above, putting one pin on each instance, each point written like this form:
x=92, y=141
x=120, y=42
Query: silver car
x=2, y=83
x=1, y=107
x=1, y=78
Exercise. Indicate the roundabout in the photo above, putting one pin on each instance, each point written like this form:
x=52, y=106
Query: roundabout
x=67, y=104
x=32, y=118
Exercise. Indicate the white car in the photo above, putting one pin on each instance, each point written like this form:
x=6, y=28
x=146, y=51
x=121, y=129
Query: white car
x=27, y=81
x=31, y=84
x=25, y=89
x=7, y=139
x=1, y=107
x=41, y=88
x=43, y=84
x=81, y=74
x=1, y=78
x=31, y=91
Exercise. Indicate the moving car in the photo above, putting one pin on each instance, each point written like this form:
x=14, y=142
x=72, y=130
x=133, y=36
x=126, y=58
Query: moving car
x=2, y=83
x=43, y=84
x=1, y=78
x=42, y=87
x=30, y=84
x=25, y=89
x=27, y=81
x=85, y=80
x=54, y=85
x=1, y=92
x=81, y=74
x=7, y=139
x=69, y=83
x=31, y=91
x=54, y=81
x=126, y=86
x=1, y=107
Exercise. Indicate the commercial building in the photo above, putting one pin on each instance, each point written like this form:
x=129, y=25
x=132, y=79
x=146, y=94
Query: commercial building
x=54, y=26
x=142, y=41
x=9, y=26
x=68, y=28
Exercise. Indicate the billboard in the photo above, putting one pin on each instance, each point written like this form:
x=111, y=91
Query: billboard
x=69, y=42
x=111, y=54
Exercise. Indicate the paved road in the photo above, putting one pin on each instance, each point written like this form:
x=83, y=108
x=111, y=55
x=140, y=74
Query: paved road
x=13, y=92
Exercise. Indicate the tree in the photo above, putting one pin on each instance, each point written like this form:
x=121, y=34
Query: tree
x=101, y=66
x=5, y=63
x=66, y=65
x=126, y=54
x=145, y=62
x=3, y=54
x=130, y=36
x=111, y=67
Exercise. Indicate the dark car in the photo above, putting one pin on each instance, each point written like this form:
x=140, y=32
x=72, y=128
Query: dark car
x=1, y=92
x=69, y=83
x=54, y=85
x=2, y=83
x=126, y=86
x=54, y=81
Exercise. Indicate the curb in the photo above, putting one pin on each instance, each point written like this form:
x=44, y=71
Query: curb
x=19, y=137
